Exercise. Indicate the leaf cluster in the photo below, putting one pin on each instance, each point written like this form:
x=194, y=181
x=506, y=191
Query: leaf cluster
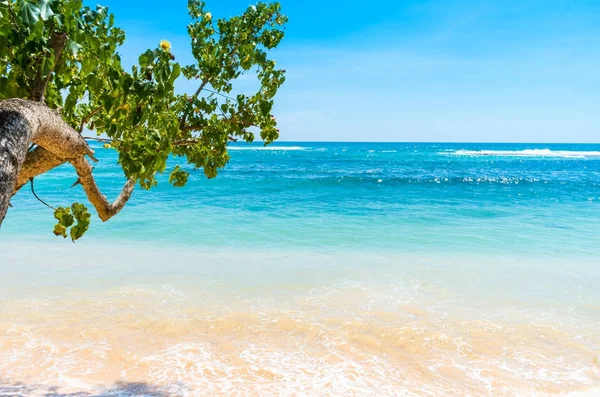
x=138, y=109
x=66, y=54
x=77, y=218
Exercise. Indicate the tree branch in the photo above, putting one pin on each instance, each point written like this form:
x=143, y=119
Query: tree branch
x=37, y=162
x=185, y=115
x=186, y=142
x=50, y=131
x=218, y=93
x=192, y=128
x=105, y=209
x=88, y=117
x=58, y=42
x=199, y=90
x=14, y=19
x=203, y=84
x=91, y=138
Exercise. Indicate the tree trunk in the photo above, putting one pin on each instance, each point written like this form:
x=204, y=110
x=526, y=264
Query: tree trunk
x=24, y=122
x=16, y=131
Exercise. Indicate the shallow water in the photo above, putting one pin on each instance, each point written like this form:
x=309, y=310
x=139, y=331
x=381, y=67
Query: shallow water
x=316, y=269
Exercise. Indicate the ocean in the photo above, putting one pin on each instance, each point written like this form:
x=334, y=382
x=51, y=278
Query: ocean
x=315, y=269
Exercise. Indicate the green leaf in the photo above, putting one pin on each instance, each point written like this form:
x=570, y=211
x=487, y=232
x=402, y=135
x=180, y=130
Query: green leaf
x=87, y=65
x=46, y=66
x=178, y=177
x=102, y=11
x=65, y=220
x=74, y=47
x=30, y=12
x=60, y=230
x=3, y=8
x=146, y=58
x=190, y=71
x=175, y=73
x=45, y=9
x=59, y=21
x=159, y=72
x=4, y=30
x=82, y=216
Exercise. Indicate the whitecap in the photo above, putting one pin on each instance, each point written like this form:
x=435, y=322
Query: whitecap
x=527, y=153
x=268, y=148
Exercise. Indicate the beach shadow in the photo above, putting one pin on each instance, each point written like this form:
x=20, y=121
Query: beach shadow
x=121, y=389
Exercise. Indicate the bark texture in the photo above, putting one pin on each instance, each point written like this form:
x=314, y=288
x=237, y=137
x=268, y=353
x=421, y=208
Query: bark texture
x=24, y=122
x=16, y=131
x=105, y=209
x=37, y=162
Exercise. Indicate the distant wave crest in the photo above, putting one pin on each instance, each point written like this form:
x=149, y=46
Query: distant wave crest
x=267, y=148
x=370, y=179
x=526, y=153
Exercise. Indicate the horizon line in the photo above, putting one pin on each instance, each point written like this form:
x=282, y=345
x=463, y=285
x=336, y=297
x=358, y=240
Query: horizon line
x=436, y=142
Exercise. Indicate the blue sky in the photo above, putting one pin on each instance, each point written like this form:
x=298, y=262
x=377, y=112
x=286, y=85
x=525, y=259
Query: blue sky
x=385, y=70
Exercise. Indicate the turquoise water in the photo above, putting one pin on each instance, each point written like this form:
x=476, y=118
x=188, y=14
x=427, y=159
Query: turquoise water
x=401, y=197
x=496, y=212
x=489, y=250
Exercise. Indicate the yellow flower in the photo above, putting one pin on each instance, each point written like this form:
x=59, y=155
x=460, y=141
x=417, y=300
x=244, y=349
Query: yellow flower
x=107, y=146
x=165, y=45
x=208, y=16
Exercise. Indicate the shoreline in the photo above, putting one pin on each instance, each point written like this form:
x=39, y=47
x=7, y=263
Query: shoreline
x=468, y=279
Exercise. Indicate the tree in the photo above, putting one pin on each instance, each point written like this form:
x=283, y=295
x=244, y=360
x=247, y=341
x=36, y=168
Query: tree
x=61, y=74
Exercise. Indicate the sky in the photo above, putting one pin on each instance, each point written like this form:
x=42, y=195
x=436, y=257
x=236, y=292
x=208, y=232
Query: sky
x=431, y=71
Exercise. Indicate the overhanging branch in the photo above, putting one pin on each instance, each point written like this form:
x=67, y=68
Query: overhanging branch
x=105, y=209
x=37, y=162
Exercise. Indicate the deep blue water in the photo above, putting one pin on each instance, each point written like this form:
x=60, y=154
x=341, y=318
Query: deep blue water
x=534, y=199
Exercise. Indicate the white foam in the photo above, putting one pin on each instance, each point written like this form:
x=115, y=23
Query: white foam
x=527, y=153
x=267, y=148
x=588, y=393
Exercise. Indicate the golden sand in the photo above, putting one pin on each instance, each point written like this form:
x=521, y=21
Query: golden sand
x=137, y=343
